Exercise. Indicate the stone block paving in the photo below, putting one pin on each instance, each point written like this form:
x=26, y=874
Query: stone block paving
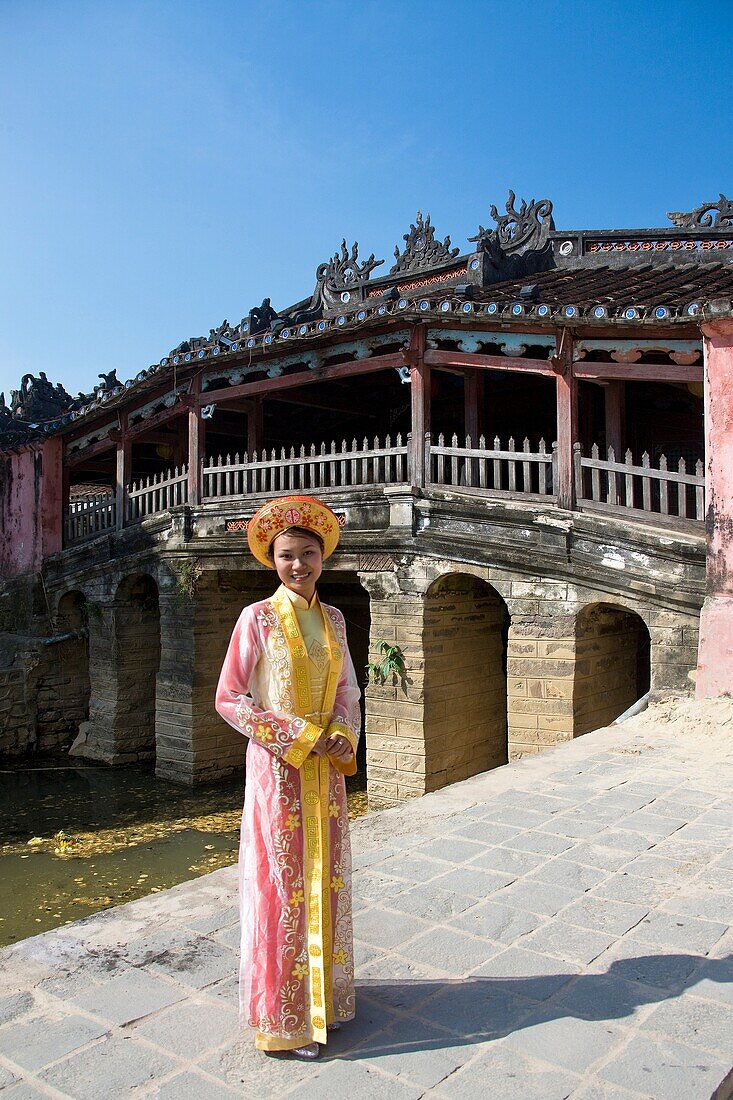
x=558, y=928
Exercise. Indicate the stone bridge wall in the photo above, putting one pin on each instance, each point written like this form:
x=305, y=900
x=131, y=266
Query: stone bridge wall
x=520, y=630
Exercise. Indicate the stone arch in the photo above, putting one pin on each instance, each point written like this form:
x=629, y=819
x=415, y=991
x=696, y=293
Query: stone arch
x=343, y=589
x=59, y=684
x=465, y=701
x=612, y=663
x=136, y=624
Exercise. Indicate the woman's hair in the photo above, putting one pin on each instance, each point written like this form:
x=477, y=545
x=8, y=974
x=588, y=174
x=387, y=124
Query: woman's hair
x=302, y=531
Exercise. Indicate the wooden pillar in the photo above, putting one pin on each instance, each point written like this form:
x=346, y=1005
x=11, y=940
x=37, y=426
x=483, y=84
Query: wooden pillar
x=715, y=652
x=196, y=443
x=420, y=405
x=123, y=472
x=614, y=393
x=255, y=426
x=567, y=418
x=473, y=403
x=181, y=444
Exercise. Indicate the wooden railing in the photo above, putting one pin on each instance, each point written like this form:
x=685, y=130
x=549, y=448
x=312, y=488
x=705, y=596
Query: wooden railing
x=529, y=472
x=524, y=472
x=646, y=489
x=157, y=493
x=307, y=469
x=90, y=516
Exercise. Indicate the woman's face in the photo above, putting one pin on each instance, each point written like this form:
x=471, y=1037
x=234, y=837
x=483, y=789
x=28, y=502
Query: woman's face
x=298, y=561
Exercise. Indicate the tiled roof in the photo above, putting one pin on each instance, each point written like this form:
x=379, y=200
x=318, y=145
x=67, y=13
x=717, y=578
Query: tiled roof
x=636, y=277
x=645, y=286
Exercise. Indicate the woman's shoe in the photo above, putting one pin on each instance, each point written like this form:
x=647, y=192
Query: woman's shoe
x=335, y=1026
x=308, y=1053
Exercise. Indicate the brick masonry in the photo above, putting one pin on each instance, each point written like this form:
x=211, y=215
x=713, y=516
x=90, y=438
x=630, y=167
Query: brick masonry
x=517, y=632
x=502, y=666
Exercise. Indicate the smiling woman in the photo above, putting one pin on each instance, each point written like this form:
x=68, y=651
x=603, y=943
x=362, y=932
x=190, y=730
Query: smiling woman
x=288, y=684
x=297, y=555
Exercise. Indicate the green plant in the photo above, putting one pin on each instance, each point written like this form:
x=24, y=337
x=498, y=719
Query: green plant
x=392, y=664
x=92, y=610
x=188, y=574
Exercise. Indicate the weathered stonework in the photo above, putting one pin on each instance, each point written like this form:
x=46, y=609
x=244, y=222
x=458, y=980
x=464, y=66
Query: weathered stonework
x=17, y=715
x=193, y=744
x=520, y=629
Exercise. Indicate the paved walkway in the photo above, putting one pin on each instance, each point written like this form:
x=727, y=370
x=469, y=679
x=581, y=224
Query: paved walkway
x=557, y=928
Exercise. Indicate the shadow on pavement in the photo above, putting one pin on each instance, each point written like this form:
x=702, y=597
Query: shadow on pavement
x=420, y=1015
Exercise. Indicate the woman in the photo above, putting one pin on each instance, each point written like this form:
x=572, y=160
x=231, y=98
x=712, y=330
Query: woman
x=288, y=684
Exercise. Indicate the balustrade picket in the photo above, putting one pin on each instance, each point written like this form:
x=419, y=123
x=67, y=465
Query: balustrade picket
x=89, y=516
x=496, y=470
x=526, y=472
x=682, y=490
x=497, y=465
x=663, y=489
x=645, y=489
x=316, y=468
x=157, y=493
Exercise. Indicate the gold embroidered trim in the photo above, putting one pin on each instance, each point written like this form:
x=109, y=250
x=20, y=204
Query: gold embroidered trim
x=314, y=783
x=300, y=749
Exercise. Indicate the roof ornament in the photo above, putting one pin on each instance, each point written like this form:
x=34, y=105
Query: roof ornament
x=702, y=216
x=518, y=245
x=215, y=334
x=109, y=382
x=339, y=282
x=38, y=399
x=518, y=231
x=261, y=317
x=188, y=347
x=13, y=433
x=421, y=249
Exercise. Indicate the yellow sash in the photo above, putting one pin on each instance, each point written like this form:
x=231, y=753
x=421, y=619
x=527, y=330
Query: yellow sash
x=314, y=782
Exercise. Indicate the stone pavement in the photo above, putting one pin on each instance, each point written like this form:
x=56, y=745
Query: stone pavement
x=560, y=927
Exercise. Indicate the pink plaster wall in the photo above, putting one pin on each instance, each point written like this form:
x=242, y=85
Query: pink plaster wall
x=715, y=654
x=31, y=486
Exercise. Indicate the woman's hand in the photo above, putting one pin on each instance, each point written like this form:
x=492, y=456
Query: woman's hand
x=319, y=748
x=338, y=747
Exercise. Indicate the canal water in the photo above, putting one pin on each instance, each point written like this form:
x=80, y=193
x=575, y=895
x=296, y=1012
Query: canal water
x=78, y=838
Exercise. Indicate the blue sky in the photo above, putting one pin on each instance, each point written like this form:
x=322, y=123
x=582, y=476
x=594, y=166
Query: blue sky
x=167, y=164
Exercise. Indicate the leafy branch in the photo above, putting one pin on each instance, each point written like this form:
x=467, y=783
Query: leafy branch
x=392, y=665
x=188, y=574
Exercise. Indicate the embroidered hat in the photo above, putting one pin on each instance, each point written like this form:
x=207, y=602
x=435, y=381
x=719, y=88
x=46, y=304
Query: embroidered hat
x=278, y=515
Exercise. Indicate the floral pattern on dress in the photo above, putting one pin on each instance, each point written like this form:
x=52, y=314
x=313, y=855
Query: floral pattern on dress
x=256, y=696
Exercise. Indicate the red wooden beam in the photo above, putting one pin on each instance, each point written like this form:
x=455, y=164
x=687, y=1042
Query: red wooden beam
x=567, y=419
x=114, y=436
x=142, y=426
x=473, y=403
x=320, y=374
x=255, y=426
x=420, y=405
x=615, y=416
x=488, y=362
x=123, y=471
x=196, y=445
x=638, y=372
x=95, y=449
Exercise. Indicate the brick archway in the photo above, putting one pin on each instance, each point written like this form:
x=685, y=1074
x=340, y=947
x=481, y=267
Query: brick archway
x=136, y=617
x=464, y=640
x=612, y=664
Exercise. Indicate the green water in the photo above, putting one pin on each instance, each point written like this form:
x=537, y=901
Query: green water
x=75, y=839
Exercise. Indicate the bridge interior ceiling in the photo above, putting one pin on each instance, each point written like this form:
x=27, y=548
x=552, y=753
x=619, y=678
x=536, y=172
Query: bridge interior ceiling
x=656, y=417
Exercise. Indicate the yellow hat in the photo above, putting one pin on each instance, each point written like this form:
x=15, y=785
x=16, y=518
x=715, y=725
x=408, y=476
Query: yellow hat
x=278, y=515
